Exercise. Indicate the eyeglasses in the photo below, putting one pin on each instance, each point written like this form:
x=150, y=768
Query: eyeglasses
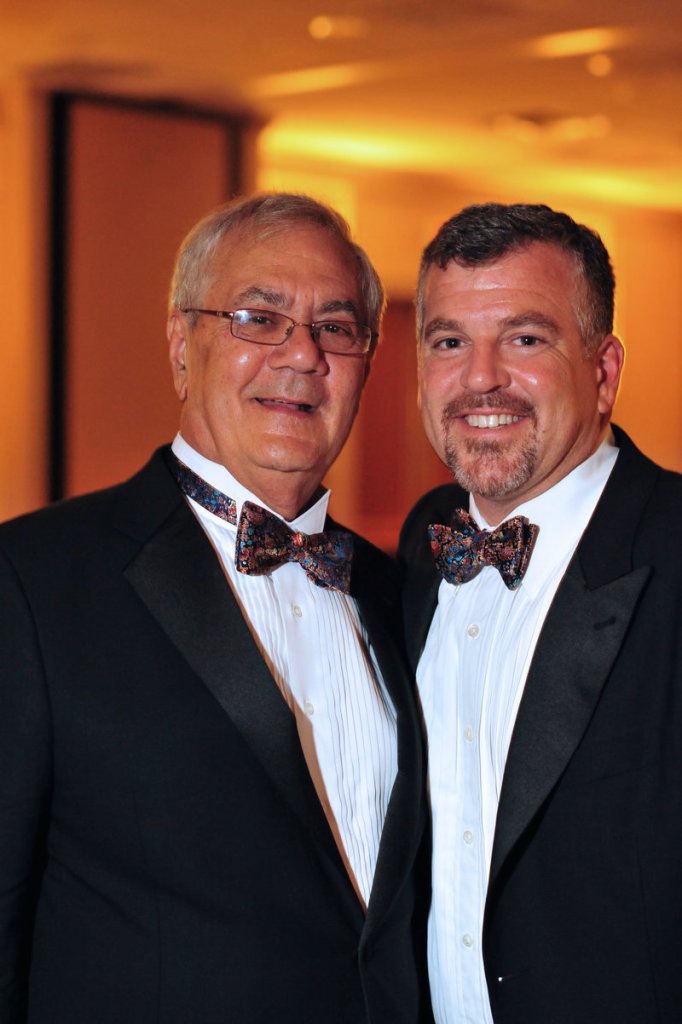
x=264, y=327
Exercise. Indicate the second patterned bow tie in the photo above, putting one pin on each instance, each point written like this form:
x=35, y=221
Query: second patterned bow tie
x=264, y=541
x=462, y=549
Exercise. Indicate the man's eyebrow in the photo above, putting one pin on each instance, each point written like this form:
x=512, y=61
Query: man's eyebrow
x=340, y=306
x=439, y=323
x=531, y=318
x=256, y=293
x=278, y=300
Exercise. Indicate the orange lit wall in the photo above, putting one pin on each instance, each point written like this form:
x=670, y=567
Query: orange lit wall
x=137, y=181
x=117, y=290
x=24, y=316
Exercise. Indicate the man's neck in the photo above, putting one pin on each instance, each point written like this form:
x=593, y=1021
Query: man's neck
x=289, y=495
x=288, y=498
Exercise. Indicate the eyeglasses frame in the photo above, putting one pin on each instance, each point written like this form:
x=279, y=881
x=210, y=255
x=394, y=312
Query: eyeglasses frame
x=229, y=314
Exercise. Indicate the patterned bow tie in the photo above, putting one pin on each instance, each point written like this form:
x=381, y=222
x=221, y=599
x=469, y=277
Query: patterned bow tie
x=461, y=550
x=264, y=541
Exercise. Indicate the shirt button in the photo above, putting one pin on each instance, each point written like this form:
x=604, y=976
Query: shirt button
x=309, y=708
x=468, y=837
x=468, y=734
x=467, y=940
x=296, y=609
x=473, y=630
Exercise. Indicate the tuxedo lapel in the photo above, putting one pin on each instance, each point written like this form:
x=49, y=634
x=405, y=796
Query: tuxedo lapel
x=178, y=577
x=404, y=817
x=421, y=583
x=580, y=640
x=420, y=598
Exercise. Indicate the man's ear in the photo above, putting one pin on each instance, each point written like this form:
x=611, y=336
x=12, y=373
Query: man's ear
x=177, y=332
x=609, y=364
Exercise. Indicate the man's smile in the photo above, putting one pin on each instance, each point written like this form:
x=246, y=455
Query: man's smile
x=491, y=420
x=286, y=405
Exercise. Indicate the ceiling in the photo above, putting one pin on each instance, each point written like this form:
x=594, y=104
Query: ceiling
x=579, y=95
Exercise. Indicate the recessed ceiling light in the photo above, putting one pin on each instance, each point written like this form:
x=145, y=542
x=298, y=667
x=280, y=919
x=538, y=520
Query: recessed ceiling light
x=599, y=64
x=326, y=26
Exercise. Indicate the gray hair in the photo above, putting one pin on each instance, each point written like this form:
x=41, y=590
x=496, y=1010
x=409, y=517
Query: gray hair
x=482, y=233
x=268, y=213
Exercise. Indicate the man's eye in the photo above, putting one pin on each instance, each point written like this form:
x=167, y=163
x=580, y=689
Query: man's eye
x=447, y=344
x=257, y=319
x=527, y=340
x=337, y=327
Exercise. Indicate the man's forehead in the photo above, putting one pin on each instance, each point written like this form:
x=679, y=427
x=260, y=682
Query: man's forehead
x=272, y=270
x=273, y=246
x=542, y=269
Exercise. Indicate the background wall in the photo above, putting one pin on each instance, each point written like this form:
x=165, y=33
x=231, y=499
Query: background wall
x=136, y=179
x=118, y=252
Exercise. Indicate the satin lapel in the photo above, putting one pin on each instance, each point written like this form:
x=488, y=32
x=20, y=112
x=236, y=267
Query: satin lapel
x=579, y=642
x=178, y=577
x=420, y=597
x=421, y=579
x=404, y=820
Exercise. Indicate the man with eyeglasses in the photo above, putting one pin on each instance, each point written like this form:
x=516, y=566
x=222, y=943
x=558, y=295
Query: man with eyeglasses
x=210, y=764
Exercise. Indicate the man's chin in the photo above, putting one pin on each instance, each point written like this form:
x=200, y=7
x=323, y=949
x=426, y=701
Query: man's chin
x=492, y=481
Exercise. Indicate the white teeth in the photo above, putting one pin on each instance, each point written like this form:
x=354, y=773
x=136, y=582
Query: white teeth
x=491, y=420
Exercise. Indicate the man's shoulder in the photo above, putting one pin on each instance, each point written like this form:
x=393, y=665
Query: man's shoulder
x=635, y=521
x=436, y=506
x=439, y=502
x=72, y=521
x=637, y=482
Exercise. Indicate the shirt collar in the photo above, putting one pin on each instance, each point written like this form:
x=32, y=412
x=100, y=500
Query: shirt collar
x=310, y=521
x=562, y=512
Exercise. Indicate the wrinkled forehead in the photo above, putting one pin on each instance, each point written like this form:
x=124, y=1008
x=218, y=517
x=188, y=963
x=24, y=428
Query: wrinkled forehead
x=300, y=250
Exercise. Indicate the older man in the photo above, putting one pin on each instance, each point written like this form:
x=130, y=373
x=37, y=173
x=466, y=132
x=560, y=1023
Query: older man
x=209, y=758
x=545, y=612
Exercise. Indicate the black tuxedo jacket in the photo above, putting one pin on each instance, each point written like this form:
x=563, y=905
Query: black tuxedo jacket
x=164, y=858
x=583, y=919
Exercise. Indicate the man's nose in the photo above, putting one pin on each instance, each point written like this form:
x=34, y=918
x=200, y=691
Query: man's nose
x=484, y=369
x=300, y=351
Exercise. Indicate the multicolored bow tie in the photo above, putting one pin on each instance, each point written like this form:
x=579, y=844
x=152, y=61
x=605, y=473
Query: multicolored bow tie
x=264, y=541
x=198, y=490
x=462, y=549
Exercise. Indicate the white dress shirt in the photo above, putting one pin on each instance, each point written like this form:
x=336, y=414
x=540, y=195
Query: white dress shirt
x=470, y=681
x=317, y=650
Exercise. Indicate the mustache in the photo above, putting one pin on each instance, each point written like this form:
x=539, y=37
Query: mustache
x=470, y=402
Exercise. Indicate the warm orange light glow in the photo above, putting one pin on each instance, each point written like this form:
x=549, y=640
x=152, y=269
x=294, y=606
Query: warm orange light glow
x=579, y=43
x=513, y=149
x=558, y=129
x=316, y=142
x=292, y=83
x=337, y=27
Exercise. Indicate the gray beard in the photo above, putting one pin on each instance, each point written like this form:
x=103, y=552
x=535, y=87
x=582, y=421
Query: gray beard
x=489, y=468
x=486, y=469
